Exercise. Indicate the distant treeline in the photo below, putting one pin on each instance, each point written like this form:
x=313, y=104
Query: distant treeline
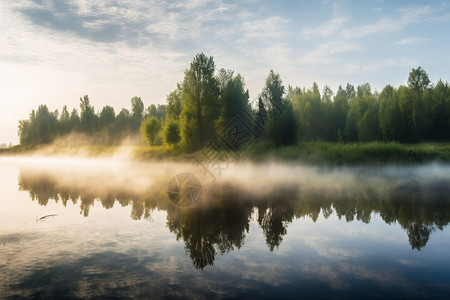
x=43, y=126
x=208, y=106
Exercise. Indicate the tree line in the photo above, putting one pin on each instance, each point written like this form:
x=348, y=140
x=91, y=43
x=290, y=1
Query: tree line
x=43, y=125
x=208, y=102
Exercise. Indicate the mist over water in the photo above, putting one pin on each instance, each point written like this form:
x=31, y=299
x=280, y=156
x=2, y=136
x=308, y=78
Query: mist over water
x=111, y=215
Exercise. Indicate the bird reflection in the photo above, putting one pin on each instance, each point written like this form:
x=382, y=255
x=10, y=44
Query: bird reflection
x=219, y=223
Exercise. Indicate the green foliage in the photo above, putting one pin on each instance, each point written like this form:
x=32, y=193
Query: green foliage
x=200, y=105
x=172, y=132
x=150, y=129
x=233, y=99
x=158, y=112
x=309, y=110
x=205, y=103
x=362, y=116
x=64, y=121
x=418, y=79
x=174, y=103
x=88, y=118
x=137, y=112
x=375, y=153
x=281, y=122
x=40, y=128
x=389, y=114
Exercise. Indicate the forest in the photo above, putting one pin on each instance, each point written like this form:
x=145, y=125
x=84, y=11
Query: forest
x=212, y=105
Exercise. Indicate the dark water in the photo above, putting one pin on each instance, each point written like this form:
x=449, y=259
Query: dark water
x=103, y=228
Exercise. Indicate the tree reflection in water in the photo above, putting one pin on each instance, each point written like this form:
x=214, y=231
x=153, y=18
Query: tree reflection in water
x=220, y=222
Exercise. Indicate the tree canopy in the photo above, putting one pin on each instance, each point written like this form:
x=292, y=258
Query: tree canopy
x=210, y=106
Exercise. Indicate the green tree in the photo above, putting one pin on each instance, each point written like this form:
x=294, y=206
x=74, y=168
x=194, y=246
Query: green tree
x=406, y=106
x=350, y=91
x=122, y=123
x=362, y=117
x=64, y=121
x=418, y=80
x=293, y=92
x=309, y=110
x=107, y=116
x=441, y=111
x=171, y=132
x=199, y=103
x=88, y=118
x=74, y=119
x=421, y=106
x=161, y=111
x=339, y=113
x=150, y=129
x=327, y=94
x=389, y=115
x=233, y=99
x=261, y=120
x=364, y=90
x=24, y=132
x=281, y=123
x=368, y=124
x=40, y=128
x=137, y=112
x=173, y=109
x=106, y=121
x=151, y=111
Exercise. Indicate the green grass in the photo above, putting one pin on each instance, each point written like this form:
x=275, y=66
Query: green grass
x=352, y=153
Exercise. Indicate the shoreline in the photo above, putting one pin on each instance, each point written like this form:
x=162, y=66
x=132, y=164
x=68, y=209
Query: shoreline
x=310, y=153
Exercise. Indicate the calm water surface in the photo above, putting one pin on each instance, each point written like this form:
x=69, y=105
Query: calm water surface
x=106, y=228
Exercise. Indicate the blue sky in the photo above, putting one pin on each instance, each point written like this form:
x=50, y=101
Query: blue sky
x=54, y=51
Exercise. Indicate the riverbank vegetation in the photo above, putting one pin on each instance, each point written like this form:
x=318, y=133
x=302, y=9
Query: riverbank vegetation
x=211, y=108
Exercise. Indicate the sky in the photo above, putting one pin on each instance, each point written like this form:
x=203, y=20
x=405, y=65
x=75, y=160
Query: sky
x=55, y=51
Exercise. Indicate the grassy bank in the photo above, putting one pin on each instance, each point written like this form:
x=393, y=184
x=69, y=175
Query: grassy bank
x=316, y=153
x=353, y=153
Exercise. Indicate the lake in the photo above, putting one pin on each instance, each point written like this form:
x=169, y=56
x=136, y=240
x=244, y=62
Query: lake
x=115, y=228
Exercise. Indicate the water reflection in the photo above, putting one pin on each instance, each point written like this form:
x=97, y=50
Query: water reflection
x=220, y=221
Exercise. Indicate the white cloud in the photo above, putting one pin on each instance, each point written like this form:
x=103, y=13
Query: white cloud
x=326, y=29
x=409, y=41
x=324, y=52
x=374, y=65
x=389, y=24
x=269, y=28
x=167, y=27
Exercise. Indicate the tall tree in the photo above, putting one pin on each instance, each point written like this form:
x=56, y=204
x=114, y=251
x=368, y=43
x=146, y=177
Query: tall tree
x=88, y=118
x=418, y=83
x=106, y=120
x=122, y=123
x=173, y=109
x=137, y=112
x=389, y=114
x=199, y=103
x=418, y=79
x=281, y=126
x=309, y=110
x=233, y=99
x=340, y=109
x=64, y=121
x=441, y=111
x=74, y=119
x=150, y=129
